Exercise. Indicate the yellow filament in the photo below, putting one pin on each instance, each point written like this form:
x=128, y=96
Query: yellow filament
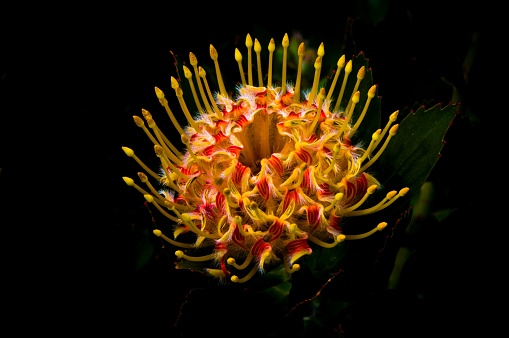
x=130, y=182
x=360, y=75
x=374, y=137
x=338, y=239
x=272, y=47
x=390, y=198
x=335, y=152
x=161, y=143
x=348, y=70
x=178, y=92
x=214, y=56
x=145, y=180
x=181, y=254
x=209, y=92
x=166, y=162
x=249, y=45
x=336, y=199
x=247, y=277
x=238, y=220
x=392, y=118
x=164, y=103
x=238, y=57
x=316, y=81
x=286, y=43
x=150, y=199
x=177, y=153
x=301, y=52
x=379, y=227
x=194, y=62
x=355, y=100
x=227, y=194
x=187, y=220
x=189, y=77
x=371, y=95
x=139, y=122
x=392, y=132
x=258, y=49
x=371, y=189
x=295, y=179
x=129, y=152
x=341, y=65
x=245, y=264
x=185, y=140
x=180, y=207
x=158, y=233
x=319, y=104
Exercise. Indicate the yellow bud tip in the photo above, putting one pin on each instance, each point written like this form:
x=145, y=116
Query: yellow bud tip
x=128, y=151
x=372, y=188
x=356, y=97
x=341, y=61
x=234, y=279
x=185, y=218
x=139, y=122
x=321, y=50
x=157, y=232
x=174, y=83
x=286, y=40
x=143, y=177
x=158, y=149
x=318, y=62
x=376, y=134
x=272, y=45
x=361, y=73
x=128, y=181
x=394, y=129
x=340, y=238
x=257, y=46
x=249, y=41
x=213, y=52
x=201, y=72
x=179, y=253
x=348, y=67
x=192, y=59
x=381, y=226
x=302, y=49
x=404, y=191
x=187, y=72
x=159, y=93
x=372, y=91
x=296, y=267
x=149, y=198
x=146, y=114
x=230, y=261
x=391, y=194
x=394, y=116
x=338, y=196
x=238, y=55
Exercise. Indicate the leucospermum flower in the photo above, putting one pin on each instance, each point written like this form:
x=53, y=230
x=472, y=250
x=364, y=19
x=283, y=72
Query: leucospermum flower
x=271, y=172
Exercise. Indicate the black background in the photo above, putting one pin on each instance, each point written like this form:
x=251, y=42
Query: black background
x=71, y=81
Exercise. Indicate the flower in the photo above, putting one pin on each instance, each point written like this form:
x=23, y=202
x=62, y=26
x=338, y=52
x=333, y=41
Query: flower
x=272, y=173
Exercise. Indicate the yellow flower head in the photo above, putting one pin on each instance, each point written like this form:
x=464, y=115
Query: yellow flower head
x=268, y=174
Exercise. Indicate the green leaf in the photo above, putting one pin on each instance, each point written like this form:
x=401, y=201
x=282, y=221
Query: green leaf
x=415, y=149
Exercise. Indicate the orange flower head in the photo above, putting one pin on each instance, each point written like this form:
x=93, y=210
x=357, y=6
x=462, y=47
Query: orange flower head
x=268, y=174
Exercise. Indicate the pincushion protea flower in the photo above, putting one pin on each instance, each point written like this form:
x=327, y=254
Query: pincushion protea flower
x=270, y=173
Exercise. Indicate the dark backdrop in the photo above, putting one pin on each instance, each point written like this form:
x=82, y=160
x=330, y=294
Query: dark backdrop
x=71, y=83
